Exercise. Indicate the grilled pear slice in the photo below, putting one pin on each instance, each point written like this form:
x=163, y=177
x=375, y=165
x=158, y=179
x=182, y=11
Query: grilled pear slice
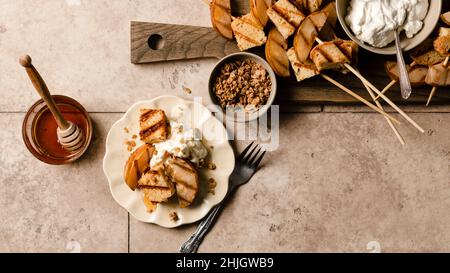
x=331, y=13
x=221, y=17
x=446, y=18
x=307, y=33
x=276, y=55
x=185, y=177
x=137, y=164
x=259, y=9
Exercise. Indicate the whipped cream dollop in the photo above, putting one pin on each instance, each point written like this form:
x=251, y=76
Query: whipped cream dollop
x=373, y=21
x=182, y=142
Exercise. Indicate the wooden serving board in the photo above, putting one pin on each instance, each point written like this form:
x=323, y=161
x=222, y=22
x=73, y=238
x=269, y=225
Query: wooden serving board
x=181, y=42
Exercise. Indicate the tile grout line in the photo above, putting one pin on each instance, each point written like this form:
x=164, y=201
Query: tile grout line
x=128, y=239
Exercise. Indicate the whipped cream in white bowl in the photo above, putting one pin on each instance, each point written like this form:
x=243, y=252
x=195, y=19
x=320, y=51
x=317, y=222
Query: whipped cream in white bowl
x=374, y=21
x=371, y=23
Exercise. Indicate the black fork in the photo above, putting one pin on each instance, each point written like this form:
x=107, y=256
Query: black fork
x=246, y=166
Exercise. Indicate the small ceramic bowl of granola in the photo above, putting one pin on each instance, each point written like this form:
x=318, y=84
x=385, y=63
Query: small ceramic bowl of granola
x=243, y=85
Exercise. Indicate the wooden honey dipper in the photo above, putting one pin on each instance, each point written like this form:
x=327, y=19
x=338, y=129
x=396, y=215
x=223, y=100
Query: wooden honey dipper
x=70, y=136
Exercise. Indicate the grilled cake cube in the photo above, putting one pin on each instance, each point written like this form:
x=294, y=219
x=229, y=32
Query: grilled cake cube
x=153, y=126
x=303, y=70
x=185, y=177
x=417, y=73
x=438, y=75
x=442, y=43
x=156, y=185
x=151, y=206
x=328, y=56
x=425, y=54
x=429, y=58
x=350, y=50
x=248, y=32
x=286, y=17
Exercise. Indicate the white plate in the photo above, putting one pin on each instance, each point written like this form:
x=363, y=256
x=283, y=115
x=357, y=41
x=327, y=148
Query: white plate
x=214, y=134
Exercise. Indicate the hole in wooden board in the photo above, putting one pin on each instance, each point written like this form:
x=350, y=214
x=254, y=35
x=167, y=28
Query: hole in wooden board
x=156, y=42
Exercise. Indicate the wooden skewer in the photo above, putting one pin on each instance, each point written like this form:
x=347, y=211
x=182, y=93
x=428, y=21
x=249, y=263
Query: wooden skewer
x=353, y=94
x=393, y=82
x=396, y=108
x=399, y=137
x=365, y=81
x=433, y=90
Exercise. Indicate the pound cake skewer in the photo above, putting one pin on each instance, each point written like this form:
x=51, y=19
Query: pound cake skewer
x=393, y=105
x=433, y=90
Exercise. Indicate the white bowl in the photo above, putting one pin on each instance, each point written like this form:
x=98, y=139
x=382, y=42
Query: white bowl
x=430, y=22
x=240, y=116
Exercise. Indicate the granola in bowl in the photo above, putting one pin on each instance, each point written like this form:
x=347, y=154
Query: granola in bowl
x=243, y=83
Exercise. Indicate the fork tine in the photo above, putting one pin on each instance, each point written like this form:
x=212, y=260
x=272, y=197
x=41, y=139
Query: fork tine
x=256, y=164
x=252, y=160
x=247, y=157
x=241, y=156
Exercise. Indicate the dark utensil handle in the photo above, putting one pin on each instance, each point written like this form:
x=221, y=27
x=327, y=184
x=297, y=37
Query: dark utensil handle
x=192, y=244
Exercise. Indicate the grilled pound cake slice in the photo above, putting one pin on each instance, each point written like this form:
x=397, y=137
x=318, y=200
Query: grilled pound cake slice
x=151, y=206
x=350, y=50
x=185, y=177
x=248, y=32
x=442, y=43
x=286, y=17
x=425, y=54
x=417, y=73
x=438, y=75
x=153, y=126
x=328, y=56
x=156, y=186
x=302, y=70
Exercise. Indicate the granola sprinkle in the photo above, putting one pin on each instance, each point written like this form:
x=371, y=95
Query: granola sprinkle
x=186, y=90
x=211, y=166
x=212, y=184
x=130, y=144
x=173, y=216
x=242, y=83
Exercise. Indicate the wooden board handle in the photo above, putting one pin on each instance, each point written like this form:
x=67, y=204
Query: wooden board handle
x=155, y=42
x=43, y=91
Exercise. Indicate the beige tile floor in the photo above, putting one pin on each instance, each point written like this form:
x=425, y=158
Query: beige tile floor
x=338, y=181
